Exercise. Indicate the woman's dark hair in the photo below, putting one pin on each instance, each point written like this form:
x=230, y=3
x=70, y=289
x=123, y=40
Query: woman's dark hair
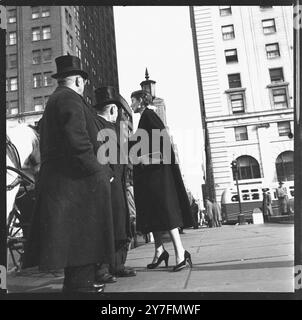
x=144, y=95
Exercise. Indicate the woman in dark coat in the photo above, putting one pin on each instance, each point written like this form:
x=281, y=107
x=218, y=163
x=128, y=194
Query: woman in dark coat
x=161, y=200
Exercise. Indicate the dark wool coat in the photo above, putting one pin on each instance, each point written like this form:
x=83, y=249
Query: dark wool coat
x=120, y=211
x=161, y=199
x=72, y=223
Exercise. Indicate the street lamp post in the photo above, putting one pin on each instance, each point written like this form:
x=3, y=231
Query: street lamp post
x=241, y=218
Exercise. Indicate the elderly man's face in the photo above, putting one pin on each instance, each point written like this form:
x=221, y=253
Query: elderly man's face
x=81, y=84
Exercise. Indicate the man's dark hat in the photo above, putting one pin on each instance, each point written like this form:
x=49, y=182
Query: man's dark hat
x=109, y=95
x=69, y=65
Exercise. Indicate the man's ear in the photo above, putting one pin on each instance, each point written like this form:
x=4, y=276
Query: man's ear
x=77, y=82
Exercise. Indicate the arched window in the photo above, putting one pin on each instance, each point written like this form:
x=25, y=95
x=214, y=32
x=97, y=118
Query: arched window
x=248, y=168
x=285, y=166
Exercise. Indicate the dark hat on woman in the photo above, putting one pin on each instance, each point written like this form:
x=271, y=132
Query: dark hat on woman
x=140, y=93
x=69, y=65
x=109, y=95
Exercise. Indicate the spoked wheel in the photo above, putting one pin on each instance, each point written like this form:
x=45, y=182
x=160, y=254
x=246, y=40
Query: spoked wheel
x=15, y=239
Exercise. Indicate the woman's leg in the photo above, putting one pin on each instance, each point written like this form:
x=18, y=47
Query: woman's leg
x=159, y=246
x=178, y=247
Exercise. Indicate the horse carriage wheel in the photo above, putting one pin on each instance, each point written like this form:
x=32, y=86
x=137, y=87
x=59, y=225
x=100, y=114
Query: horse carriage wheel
x=15, y=239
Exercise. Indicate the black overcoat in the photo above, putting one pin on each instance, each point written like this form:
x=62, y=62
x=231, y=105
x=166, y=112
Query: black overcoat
x=120, y=210
x=72, y=222
x=161, y=199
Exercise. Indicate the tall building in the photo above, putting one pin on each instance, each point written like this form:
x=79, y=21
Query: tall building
x=36, y=35
x=244, y=62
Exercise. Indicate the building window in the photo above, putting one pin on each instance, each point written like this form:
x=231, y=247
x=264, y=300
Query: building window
x=234, y=80
x=284, y=128
x=12, y=16
x=13, y=61
x=36, y=56
x=237, y=102
x=248, y=168
x=285, y=166
x=77, y=32
x=47, y=79
x=276, y=75
x=71, y=42
x=272, y=50
x=35, y=12
x=280, y=98
x=12, y=36
x=35, y=34
x=268, y=26
x=225, y=11
x=37, y=80
x=46, y=32
x=47, y=55
x=78, y=52
x=69, y=39
x=76, y=13
x=13, y=107
x=13, y=84
x=45, y=12
x=241, y=133
x=228, y=32
x=231, y=55
x=38, y=103
x=68, y=18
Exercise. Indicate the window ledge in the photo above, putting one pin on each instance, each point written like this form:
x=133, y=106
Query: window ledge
x=232, y=90
x=279, y=84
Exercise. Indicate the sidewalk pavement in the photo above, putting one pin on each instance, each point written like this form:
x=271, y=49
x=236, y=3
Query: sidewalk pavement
x=244, y=258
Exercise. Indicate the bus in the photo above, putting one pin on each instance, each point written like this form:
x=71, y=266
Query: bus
x=251, y=197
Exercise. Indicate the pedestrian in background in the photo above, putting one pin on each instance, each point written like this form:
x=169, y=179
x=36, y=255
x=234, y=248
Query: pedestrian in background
x=282, y=198
x=209, y=212
x=216, y=214
x=266, y=204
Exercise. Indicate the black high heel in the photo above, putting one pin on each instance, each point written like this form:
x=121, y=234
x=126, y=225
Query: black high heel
x=163, y=257
x=182, y=264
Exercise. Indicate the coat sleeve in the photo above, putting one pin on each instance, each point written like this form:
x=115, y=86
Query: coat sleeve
x=75, y=135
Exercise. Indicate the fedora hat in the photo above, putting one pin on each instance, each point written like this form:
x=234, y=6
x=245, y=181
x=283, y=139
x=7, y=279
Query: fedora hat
x=69, y=65
x=109, y=95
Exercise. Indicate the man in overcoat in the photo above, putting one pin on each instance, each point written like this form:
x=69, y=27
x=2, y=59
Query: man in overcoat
x=72, y=226
x=107, y=107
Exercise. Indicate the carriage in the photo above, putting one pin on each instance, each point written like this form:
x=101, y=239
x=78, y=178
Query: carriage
x=22, y=159
x=251, y=197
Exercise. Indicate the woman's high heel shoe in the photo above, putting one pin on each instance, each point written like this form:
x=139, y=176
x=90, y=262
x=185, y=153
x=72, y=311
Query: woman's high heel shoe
x=163, y=257
x=182, y=264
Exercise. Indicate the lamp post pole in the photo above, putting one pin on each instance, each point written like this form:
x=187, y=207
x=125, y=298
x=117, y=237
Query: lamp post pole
x=241, y=218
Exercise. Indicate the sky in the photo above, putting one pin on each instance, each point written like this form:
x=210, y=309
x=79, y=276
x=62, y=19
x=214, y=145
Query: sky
x=160, y=38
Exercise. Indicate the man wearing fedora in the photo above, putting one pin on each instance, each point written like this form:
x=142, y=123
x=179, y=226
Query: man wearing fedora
x=72, y=226
x=108, y=106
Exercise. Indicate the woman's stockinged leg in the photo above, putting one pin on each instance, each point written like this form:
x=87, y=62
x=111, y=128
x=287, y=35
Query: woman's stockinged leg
x=159, y=246
x=178, y=247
